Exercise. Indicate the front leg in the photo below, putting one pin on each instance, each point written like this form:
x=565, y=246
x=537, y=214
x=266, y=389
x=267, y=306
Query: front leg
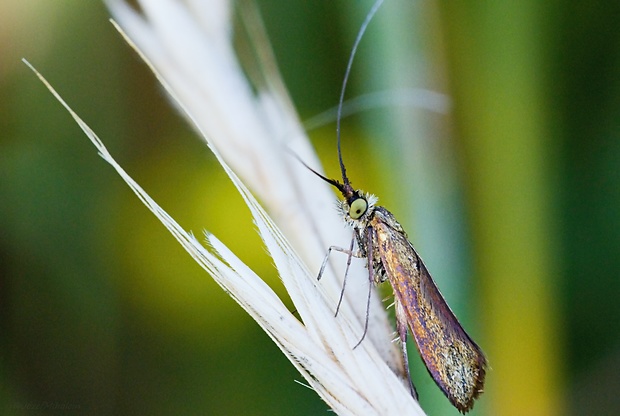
x=350, y=253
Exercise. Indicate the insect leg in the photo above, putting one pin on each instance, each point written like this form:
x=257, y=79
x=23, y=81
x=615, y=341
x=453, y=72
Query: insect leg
x=346, y=273
x=329, y=251
x=371, y=271
x=350, y=254
x=401, y=327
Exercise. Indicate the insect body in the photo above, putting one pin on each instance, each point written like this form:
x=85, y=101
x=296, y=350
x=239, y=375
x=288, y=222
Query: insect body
x=452, y=358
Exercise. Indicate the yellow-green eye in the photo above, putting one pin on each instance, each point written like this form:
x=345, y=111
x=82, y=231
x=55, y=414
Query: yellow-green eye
x=358, y=208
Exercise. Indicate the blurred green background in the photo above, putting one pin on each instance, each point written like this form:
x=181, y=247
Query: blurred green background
x=513, y=199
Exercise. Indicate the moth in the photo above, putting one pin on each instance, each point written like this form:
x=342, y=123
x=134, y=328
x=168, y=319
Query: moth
x=454, y=361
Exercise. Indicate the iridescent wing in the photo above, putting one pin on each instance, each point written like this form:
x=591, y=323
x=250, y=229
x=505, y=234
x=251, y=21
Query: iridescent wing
x=454, y=361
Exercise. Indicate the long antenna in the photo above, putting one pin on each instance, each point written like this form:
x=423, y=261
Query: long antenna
x=360, y=34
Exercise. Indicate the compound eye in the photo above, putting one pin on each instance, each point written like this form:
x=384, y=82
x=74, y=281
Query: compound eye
x=358, y=208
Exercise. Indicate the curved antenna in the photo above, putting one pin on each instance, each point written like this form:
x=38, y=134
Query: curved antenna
x=360, y=34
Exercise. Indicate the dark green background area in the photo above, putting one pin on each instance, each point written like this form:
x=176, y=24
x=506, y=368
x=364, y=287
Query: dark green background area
x=101, y=312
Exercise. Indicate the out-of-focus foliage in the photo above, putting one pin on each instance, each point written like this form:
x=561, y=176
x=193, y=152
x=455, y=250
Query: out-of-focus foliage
x=102, y=313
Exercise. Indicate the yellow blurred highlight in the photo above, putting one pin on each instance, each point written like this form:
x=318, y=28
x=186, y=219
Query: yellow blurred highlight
x=161, y=279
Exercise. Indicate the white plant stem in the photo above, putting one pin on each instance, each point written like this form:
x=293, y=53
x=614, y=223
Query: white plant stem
x=360, y=381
